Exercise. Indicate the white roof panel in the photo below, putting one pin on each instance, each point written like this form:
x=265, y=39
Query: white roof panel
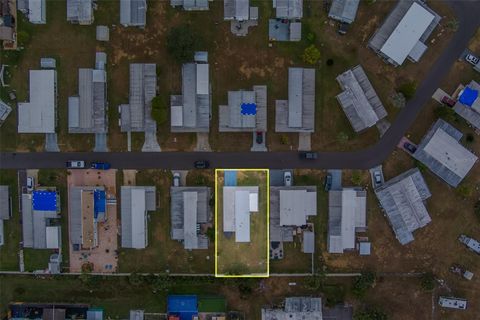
x=407, y=33
x=242, y=216
x=53, y=237
x=176, y=116
x=253, y=202
x=202, y=78
x=138, y=218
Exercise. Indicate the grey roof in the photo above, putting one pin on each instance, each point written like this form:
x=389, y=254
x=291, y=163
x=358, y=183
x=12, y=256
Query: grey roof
x=135, y=202
x=137, y=314
x=359, y=100
x=143, y=87
x=392, y=43
x=80, y=11
x=298, y=113
x=289, y=9
x=5, y=110
x=87, y=112
x=75, y=212
x=303, y=204
x=296, y=308
x=190, y=112
x=38, y=115
x=4, y=203
x=344, y=10
x=452, y=302
x=35, y=10
x=441, y=151
x=133, y=13
x=189, y=208
x=236, y=10
x=190, y=5
x=48, y=63
x=470, y=114
x=346, y=213
x=230, y=117
x=102, y=33
x=308, y=244
x=403, y=199
x=34, y=224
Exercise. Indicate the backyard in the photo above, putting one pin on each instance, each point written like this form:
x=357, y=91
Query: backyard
x=247, y=257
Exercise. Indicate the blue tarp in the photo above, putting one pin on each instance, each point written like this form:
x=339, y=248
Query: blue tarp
x=230, y=178
x=468, y=96
x=44, y=200
x=100, y=202
x=183, y=306
x=248, y=109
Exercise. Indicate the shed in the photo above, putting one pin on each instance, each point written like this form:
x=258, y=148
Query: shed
x=344, y=10
x=133, y=13
x=103, y=33
x=452, y=303
x=80, y=11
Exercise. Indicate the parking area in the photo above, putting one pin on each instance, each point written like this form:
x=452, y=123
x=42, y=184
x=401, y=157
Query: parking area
x=407, y=145
x=277, y=177
x=258, y=142
x=336, y=183
x=376, y=174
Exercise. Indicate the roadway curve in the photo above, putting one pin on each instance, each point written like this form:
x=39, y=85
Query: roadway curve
x=468, y=15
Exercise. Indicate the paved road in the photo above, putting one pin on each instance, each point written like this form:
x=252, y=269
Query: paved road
x=467, y=13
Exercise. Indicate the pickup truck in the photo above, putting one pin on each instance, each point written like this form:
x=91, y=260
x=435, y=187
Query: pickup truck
x=100, y=165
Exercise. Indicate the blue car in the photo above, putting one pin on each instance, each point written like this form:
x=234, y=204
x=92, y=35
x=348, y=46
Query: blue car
x=100, y=165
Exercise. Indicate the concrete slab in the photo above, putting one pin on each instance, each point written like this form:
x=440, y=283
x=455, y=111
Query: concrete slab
x=383, y=126
x=259, y=147
x=277, y=179
x=240, y=28
x=51, y=144
x=336, y=179
x=304, y=141
x=439, y=94
x=203, y=143
x=100, y=142
x=372, y=172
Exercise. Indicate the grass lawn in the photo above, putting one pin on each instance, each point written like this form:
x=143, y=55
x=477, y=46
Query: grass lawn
x=232, y=257
x=12, y=229
x=162, y=253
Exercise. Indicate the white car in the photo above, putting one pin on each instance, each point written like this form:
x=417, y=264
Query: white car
x=470, y=58
x=75, y=164
x=378, y=177
x=287, y=178
x=30, y=183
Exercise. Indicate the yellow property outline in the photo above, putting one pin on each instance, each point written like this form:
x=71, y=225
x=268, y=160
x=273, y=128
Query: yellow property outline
x=254, y=275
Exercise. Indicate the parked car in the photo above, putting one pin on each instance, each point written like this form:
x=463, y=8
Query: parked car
x=100, y=165
x=259, y=137
x=410, y=147
x=201, y=164
x=287, y=178
x=377, y=176
x=470, y=58
x=176, y=179
x=446, y=100
x=328, y=182
x=308, y=155
x=75, y=164
x=30, y=183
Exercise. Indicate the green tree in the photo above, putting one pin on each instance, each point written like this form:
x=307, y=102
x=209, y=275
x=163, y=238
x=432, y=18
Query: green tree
x=159, y=110
x=363, y=283
x=311, y=55
x=469, y=138
x=370, y=314
x=427, y=281
x=445, y=113
x=182, y=42
x=23, y=38
x=408, y=89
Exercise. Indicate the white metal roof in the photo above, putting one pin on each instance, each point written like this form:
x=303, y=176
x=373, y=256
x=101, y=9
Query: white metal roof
x=36, y=11
x=138, y=212
x=202, y=78
x=38, y=115
x=450, y=153
x=295, y=103
x=253, y=202
x=295, y=206
x=53, y=237
x=242, y=216
x=176, y=116
x=453, y=303
x=407, y=33
x=190, y=219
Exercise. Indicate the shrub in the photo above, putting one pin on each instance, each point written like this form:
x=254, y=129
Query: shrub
x=161, y=283
x=342, y=137
x=408, y=89
x=452, y=25
x=427, y=281
x=284, y=139
x=445, y=113
x=420, y=166
x=135, y=279
x=330, y=62
x=363, y=283
x=464, y=191
x=476, y=209
x=23, y=38
x=181, y=43
x=311, y=55
x=370, y=314
x=334, y=295
x=211, y=234
x=469, y=138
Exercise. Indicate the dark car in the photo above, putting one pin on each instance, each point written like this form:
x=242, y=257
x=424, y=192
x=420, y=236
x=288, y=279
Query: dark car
x=448, y=101
x=100, y=165
x=410, y=147
x=328, y=182
x=259, y=137
x=201, y=164
x=308, y=155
